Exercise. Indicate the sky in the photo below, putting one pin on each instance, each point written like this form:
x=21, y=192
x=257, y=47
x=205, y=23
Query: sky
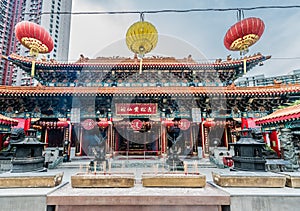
x=200, y=34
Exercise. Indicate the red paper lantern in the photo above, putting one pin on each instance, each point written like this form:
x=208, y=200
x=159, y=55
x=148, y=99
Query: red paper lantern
x=184, y=124
x=6, y=143
x=168, y=123
x=243, y=34
x=34, y=37
x=209, y=123
x=103, y=124
x=62, y=124
x=88, y=124
x=136, y=124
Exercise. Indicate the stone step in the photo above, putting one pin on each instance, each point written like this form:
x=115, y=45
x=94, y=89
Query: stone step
x=137, y=163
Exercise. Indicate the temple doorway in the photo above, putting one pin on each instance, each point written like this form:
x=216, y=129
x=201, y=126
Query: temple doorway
x=55, y=138
x=134, y=139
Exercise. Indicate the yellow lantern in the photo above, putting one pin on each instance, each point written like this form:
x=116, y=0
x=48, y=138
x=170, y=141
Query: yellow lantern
x=141, y=37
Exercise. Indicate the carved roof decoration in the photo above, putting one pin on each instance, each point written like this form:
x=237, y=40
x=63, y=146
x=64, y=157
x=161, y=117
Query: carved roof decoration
x=159, y=63
x=158, y=69
x=290, y=113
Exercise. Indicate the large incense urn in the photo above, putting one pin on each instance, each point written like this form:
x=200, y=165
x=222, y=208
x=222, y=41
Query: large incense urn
x=28, y=153
x=248, y=152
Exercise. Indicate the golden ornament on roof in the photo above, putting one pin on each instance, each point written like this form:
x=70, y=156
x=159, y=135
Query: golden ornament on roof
x=141, y=37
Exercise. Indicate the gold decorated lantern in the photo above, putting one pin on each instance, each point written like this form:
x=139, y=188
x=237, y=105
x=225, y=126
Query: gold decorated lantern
x=35, y=38
x=244, y=34
x=141, y=38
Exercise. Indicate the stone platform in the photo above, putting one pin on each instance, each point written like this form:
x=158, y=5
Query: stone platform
x=138, y=197
x=261, y=199
x=30, y=180
x=292, y=179
x=102, y=180
x=248, y=179
x=173, y=179
x=210, y=197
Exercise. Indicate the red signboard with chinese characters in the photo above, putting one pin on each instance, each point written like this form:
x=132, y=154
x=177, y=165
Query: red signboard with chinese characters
x=139, y=109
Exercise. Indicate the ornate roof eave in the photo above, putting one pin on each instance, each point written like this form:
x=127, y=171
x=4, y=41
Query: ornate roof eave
x=261, y=91
x=8, y=121
x=288, y=114
x=131, y=64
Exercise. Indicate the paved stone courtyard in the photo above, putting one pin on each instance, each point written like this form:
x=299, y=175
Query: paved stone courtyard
x=211, y=197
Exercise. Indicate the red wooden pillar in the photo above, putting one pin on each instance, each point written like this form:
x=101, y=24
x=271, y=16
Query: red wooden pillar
x=27, y=124
x=204, y=135
x=110, y=132
x=68, y=131
x=80, y=140
x=266, y=138
x=108, y=143
x=157, y=143
x=248, y=123
x=1, y=140
x=163, y=139
x=274, y=142
x=46, y=137
x=117, y=141
x=226, y=136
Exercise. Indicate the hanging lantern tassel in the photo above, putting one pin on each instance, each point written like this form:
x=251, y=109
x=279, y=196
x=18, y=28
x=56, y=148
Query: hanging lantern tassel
x=33, y=68
x=245, y=66
x=141, y=64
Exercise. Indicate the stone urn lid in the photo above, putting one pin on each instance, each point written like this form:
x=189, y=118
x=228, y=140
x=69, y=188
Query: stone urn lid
x=249, y=136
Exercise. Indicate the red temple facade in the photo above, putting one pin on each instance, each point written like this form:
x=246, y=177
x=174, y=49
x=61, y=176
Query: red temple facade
x=136, y=112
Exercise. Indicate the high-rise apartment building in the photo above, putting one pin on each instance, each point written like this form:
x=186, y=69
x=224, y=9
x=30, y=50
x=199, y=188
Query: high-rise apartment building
x=11, y=13
x=43, y=12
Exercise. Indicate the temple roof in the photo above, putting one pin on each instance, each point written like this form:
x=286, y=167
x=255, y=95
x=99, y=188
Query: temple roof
x=154, y=69
x=230, y=91
x=290, y=113
x=133, y=64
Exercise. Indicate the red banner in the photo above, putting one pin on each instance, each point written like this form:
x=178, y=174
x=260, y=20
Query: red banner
x=136, y=109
